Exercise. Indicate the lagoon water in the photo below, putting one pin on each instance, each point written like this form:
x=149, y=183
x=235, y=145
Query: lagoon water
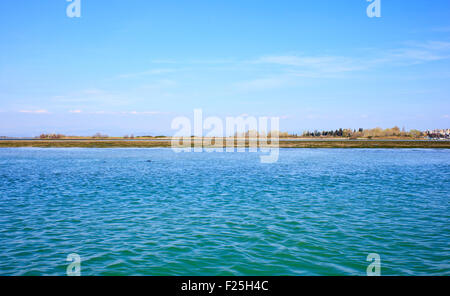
x=314, y=212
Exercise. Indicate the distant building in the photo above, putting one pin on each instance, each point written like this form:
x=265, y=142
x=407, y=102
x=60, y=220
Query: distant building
x=438, y=134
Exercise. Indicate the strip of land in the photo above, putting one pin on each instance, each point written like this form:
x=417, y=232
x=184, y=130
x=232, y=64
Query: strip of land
x=221, y=143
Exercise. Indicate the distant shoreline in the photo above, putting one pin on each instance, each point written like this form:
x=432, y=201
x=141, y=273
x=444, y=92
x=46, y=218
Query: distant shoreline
x=284, y=143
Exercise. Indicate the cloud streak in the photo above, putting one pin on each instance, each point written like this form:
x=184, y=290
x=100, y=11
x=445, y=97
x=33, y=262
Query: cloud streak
x=292, y=67
x=39, y=111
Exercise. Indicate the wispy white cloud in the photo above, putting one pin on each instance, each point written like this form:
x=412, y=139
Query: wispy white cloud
x=418, y=53
x=442, y=29
x=263, y=83
x=77, y=111
x=290, y=68
x=39, y=111
x=142, y=112
x=93, y=96
x=321, y=63
x=127, y=112
x=435, y=45
x=407, y=55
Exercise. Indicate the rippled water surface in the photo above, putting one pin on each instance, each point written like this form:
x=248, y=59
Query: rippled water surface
x=315, y=212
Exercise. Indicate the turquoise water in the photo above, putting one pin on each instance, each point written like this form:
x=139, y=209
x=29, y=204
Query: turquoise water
x=315, y=212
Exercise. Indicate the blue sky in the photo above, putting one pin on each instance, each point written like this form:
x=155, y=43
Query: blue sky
x=132, y=66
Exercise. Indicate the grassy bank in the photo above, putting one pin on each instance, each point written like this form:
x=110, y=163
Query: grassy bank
x=282, y=144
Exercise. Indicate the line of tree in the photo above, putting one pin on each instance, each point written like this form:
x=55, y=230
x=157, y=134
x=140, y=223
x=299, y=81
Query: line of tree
x=51, y=136
x=100, y=136
x=366, y=133
x=339, y=133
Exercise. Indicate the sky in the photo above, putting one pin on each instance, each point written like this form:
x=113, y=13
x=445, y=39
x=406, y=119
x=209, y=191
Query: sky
x=131, y=67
